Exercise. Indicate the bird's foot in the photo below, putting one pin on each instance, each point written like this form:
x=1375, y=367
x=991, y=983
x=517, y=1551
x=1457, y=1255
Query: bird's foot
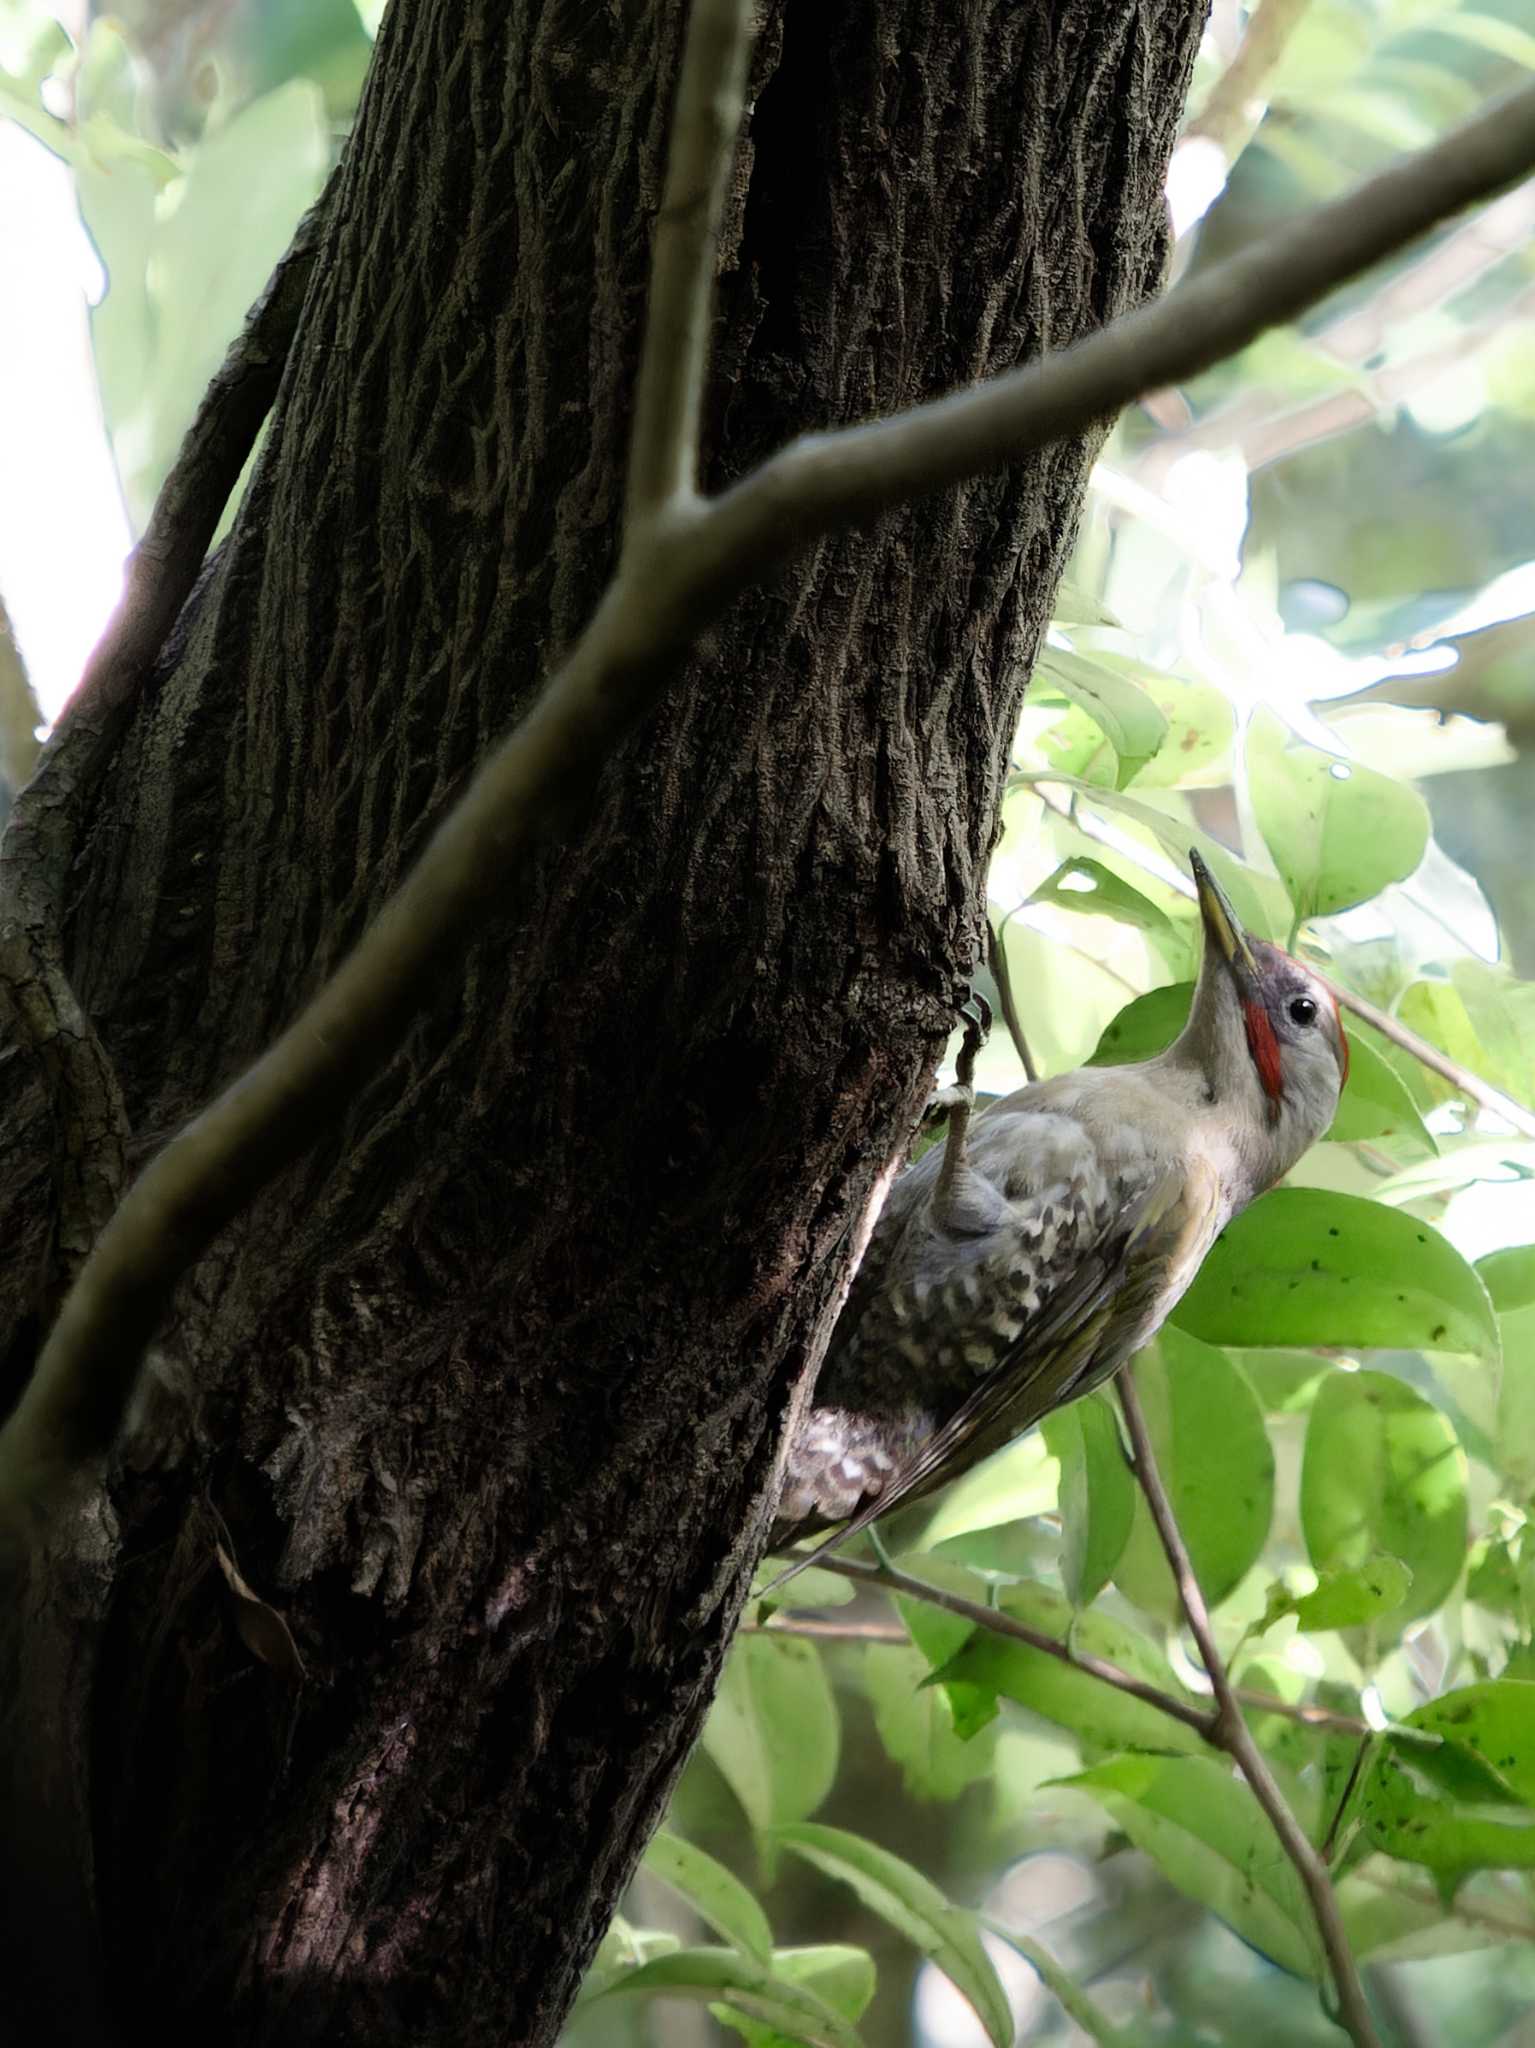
x=976, y=1012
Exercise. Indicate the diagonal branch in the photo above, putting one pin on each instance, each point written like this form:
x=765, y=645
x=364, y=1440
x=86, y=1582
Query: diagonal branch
x=674, y=578
x=1233, y=1735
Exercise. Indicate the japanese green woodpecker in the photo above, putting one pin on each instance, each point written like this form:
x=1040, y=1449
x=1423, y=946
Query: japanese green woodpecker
x=1025, y=1259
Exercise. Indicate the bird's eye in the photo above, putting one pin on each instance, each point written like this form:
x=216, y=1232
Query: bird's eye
x=1302, y=1010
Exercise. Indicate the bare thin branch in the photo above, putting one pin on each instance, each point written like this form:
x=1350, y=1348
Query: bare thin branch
x=1200, y=1719
x=681, y=565
x=663, y=456
x=1232, y=1734
x=1322, y=1719
x=823, y=482
x=1001, y=974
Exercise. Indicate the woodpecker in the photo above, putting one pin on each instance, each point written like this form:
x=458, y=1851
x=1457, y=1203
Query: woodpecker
x=1024, y=1260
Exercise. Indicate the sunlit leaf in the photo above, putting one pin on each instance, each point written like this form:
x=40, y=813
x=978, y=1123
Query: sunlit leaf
x=1305, y=1266
x=910, y=1903
x=1354, y=1594
x=1120, y=708
x=1470, y=1804
x=1383, y=1473
x=1093, y=890
x=1339, y=832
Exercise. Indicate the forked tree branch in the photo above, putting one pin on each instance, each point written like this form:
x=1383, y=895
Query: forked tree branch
x=1232, y=1734
x=675, y=575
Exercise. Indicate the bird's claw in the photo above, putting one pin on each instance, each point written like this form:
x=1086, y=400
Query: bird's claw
x=976, y=1012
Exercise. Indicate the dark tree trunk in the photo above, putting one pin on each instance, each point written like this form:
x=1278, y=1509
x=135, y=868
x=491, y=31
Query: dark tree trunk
x=483, y=1397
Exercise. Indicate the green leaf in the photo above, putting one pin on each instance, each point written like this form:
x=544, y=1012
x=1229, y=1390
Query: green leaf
x=1093, y=890
x=1353, y=1594
x=1383, y=1473
x=1097, y=1495
x=842, y=1977
x=1144, y=1027
x=1018, y=1481
x=1304, y=1266
x=1120, y=708
x=1509, y=1277
x=622, y=1949
x=906, y=1900
x=772, y=1731
x=1213, y=1840
x=916, y=1723
x=717, y=1895
x=1091, y=1711
x=1376, y=1102
x=1470, y=1804
x=793, y=2010
x=1339, y=833
x=1216, y=1462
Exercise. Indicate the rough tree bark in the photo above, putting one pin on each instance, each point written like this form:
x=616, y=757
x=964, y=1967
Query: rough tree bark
x=483, y=1398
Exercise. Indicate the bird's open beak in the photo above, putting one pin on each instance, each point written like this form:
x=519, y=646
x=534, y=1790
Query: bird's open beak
x=1222, y=927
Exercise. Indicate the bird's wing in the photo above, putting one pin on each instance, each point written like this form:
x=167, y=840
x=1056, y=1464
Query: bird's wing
x=1107, y=1308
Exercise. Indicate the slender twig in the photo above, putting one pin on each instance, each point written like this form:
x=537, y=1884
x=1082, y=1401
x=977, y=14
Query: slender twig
x=1068, y=1993
x=1234, y=1736
x=1322, y=1719
x=669, y=392
x=1001, y=974
x=1200, y=1719
x=675, y=575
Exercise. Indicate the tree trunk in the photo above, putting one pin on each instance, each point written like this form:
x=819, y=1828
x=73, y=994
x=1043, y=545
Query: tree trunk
x=483, y=1397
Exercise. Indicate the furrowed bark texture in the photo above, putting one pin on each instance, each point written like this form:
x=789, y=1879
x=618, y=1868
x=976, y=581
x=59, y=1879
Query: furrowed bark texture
x=482, y=1398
